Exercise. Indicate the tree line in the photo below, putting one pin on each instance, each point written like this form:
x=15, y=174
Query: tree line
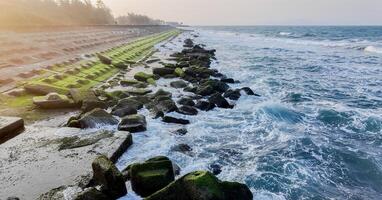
x=65, y=12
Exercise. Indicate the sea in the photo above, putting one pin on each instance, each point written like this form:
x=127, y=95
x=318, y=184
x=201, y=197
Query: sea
x=315, y=131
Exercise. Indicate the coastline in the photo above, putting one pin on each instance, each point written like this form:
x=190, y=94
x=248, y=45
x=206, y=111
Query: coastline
x=169, y=68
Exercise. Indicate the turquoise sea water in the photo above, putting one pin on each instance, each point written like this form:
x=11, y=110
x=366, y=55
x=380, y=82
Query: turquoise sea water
x=316, y=130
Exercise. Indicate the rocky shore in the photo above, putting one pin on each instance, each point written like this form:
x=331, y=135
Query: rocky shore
x=119, y=104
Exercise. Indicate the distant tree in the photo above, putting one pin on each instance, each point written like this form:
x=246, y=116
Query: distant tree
x=136, y=19
x=54, y=12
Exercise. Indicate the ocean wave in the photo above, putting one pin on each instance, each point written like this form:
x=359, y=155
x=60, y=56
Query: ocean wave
x=373, y=49
x=285, y=33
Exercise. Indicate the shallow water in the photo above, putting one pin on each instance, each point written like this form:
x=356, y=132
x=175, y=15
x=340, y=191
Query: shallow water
x=316, y=130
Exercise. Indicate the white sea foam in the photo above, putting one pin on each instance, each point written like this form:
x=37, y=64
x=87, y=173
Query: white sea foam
x=285, y=33
x=373, y=49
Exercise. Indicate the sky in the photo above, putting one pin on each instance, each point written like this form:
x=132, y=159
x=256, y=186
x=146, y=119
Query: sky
x=256, y=12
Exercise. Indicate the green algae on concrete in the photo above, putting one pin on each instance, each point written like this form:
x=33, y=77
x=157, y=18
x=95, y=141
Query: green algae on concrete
x=88, y=74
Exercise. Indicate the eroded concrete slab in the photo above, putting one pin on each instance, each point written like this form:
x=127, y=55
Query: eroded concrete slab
x=10, y=127
x=44, y=158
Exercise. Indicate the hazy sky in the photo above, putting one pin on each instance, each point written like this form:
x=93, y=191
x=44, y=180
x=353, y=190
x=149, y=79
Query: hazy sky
x=256, y=12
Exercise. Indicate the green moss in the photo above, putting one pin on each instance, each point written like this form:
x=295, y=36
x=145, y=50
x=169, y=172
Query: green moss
x=142, y=76
x=151, y=81
x=179, y=72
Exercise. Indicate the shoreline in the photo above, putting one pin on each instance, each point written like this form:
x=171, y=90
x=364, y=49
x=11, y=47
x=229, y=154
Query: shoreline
x=179, y=70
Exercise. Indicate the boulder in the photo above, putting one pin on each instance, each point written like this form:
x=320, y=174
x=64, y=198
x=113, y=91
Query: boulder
x=179, y=72
x=151, y=176
x=183, y=148
x=138, y=92
x=188, y=43
x=202, y=185
x=106, y=174
x=204, y=105
x=165, y=106
x=174, y=120
x=163, y=71
x=53, y=101
x=91, y=194
x=124, y=111
x=205, y=90
x=187, y=110
x=181, y=131
x=88, y=105
x=219, y=101
x=129, y=102
x=178, y=84
x=186, y=101
x=232, y=94
x=227, y=80
x=96, y=118
x=127, y=82
x=248, y=91
x=133, y=123
x=142, y=76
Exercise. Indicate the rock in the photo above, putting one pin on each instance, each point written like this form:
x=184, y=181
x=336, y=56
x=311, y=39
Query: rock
x=141, y=76
x=106, y=174
x=219, y=101
x=121, y=65
x=248, y=91
x=183, y=64
x=165, y=106
x=104, y=59
x=186, y=102
x=161, y=92
x=151, y=176
x=178, y=84
x=181, y=131
x=133, y=123
x=163, y=71
x=174, y=120
x=96, y=118
x=138, y=92
x=227, y=80
x=129, y=102
x=117, y=95
x=88, y=105
x=53, y=101
x=170, y=76
x=190, y=89
x=79, y=96
x=215, y=169
x=91, y=194
x=179, y=72
x=205, y=90
x=128, y=82
x=202, y=185
x=232, y=94
x=204, y=105
x=182, y=148
x=234, y=190
x=187, y=110
x=188, y=43
x=124, y=111
x=216, y=85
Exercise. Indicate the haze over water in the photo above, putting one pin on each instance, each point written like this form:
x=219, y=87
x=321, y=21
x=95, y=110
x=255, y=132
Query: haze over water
x=316, y=130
